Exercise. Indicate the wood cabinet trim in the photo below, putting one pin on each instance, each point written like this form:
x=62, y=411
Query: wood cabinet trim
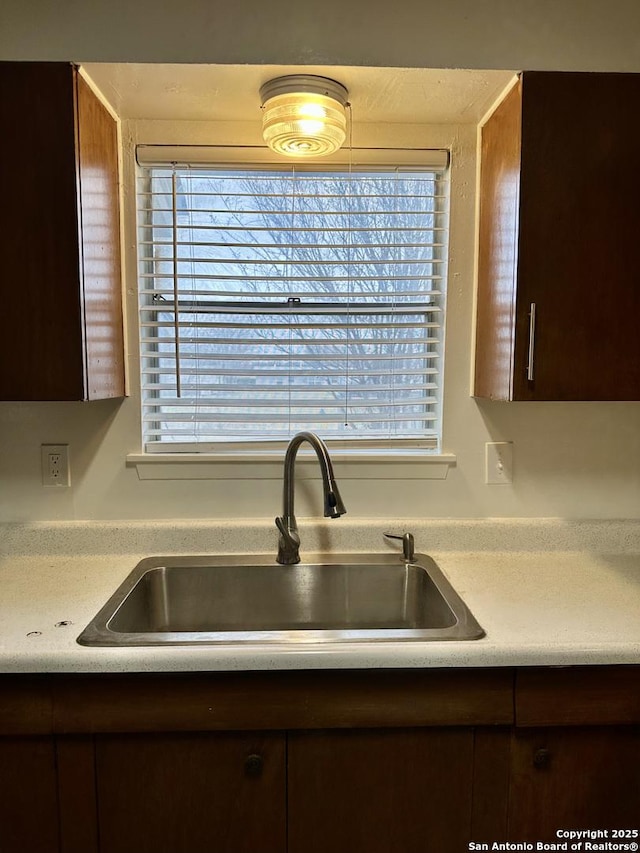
x=26, y=705
x=276, y=700
x=84, y=704
x=576, y=696
x=491, y=765
x=498, y=249
x=100, y=262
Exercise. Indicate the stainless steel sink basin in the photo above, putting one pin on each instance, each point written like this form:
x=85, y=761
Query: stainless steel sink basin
x=194, y=600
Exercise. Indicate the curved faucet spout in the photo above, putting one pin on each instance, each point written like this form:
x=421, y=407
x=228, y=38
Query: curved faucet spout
x=289, y=543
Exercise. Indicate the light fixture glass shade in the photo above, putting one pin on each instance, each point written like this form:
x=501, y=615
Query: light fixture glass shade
x=303, y=115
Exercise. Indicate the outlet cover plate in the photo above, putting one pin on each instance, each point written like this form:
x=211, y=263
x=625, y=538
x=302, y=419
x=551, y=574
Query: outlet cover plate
x=55, y=465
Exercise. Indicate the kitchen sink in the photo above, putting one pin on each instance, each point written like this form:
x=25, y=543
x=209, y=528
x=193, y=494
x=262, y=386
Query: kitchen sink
x=232, y=599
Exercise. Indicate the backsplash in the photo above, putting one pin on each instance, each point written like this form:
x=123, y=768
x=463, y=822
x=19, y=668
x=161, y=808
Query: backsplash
x=365, y=535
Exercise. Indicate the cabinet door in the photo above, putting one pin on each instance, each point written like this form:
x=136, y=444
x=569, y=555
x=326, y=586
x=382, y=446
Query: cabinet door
x=28, y=801
x=380, y=791
x=41, y=341
x=582, y=778
x=191, y=793
x=579, y=222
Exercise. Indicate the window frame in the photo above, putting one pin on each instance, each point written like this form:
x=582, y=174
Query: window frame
x=392, y=448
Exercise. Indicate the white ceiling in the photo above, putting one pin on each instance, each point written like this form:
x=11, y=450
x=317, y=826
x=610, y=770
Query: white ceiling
x=230, y=92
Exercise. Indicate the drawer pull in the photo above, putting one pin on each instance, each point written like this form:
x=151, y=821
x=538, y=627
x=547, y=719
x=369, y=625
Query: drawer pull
x=541, y=758
x=253, y=765
x=532, y=340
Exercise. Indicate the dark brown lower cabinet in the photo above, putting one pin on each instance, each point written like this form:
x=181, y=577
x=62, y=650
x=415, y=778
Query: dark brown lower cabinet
x=379, y=791
x=343, y=791
x=414, y=762
x=574, y=778
x=28, y=799
x=191, y=793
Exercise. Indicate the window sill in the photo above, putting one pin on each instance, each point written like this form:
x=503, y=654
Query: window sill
x=267, y=465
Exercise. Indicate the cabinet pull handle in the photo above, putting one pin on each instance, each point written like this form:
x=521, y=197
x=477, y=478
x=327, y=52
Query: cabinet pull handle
x=532, y=340
x=253, y=765
x=541, y=758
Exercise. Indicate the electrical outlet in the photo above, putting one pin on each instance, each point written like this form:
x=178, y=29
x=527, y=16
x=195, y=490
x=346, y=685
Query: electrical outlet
x=498, y=462
x=55, y=465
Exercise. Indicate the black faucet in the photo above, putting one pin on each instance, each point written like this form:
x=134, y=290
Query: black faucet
x=289, y=542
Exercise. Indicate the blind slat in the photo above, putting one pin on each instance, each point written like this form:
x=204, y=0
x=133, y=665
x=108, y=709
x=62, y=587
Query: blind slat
x=293, y=373
x=311, y=278
x=366, y=229
x=180, y=442
x=311, y=246
x=189, y=305
x=158, y=198
x=279, y=342
x=304, y=314
x=293, y=262
x=256, y=403
x=235, y=388
x=323, y=358
x=322, y=417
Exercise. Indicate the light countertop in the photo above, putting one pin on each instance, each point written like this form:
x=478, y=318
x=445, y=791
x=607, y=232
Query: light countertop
x=547, y=593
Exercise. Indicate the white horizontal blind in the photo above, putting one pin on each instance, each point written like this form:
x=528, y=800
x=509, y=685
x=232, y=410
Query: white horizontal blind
x=275, y=299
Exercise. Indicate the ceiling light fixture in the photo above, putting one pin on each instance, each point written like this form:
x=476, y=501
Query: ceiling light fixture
x=304, y=115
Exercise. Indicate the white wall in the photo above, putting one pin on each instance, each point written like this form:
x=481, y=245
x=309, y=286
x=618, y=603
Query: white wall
x=571, y=460
x=551, y=34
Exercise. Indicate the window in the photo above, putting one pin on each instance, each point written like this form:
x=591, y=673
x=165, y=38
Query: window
x=276, y=297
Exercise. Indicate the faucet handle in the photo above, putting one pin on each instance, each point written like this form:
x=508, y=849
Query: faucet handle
x=288, y=549
x=408, y=544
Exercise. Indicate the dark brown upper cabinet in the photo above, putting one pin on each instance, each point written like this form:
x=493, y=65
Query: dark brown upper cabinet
x=558, y=307
x=60, y=236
